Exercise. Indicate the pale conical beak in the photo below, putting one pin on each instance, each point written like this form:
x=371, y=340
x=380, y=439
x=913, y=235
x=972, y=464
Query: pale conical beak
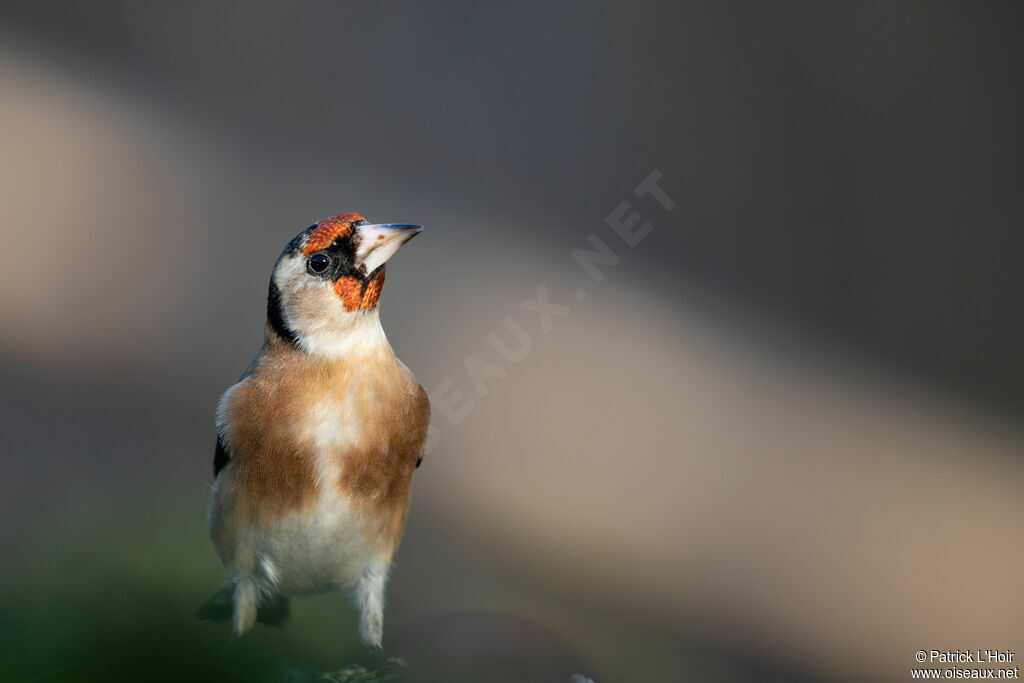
x=379, y=242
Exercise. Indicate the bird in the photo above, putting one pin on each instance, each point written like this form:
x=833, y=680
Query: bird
x=318, y=441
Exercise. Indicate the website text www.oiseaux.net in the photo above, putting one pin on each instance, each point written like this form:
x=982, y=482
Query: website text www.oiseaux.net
x=961, y=664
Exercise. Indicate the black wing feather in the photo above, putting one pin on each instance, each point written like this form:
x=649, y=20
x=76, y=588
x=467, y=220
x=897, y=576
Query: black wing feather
x=220, y=457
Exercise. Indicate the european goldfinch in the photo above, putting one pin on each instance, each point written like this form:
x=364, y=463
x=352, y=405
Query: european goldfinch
x=317, y=443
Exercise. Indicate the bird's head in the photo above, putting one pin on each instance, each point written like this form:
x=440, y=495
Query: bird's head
x=328, y=280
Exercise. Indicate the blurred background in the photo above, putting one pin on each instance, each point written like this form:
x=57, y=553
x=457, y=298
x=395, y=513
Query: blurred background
x=780, y=440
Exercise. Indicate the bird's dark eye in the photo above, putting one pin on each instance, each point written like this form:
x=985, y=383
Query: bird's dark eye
x=318, y=263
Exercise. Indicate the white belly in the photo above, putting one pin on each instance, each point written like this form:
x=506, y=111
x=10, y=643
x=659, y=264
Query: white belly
x=321, y=549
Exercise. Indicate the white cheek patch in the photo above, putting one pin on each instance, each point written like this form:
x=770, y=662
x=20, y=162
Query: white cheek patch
x=291, y=273
x=313, y=311
x=307, y=302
